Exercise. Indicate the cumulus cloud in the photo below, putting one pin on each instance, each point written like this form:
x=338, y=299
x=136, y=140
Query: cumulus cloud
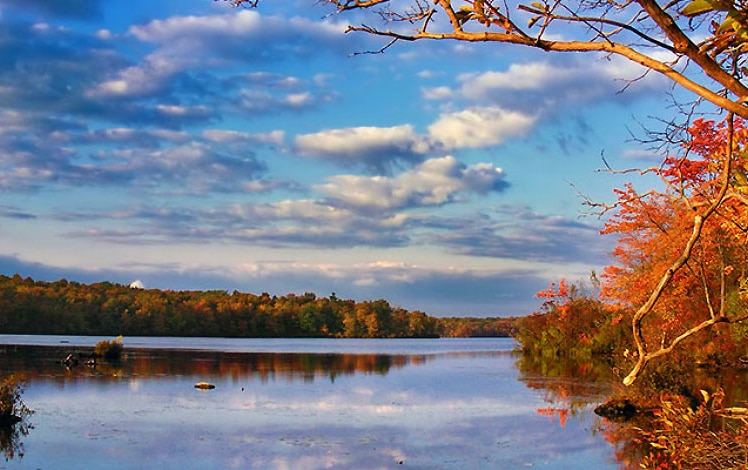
x=376, y=148
x=193, y=104
x=479, y=127
x=79, y=77
x=156, y=159
x=192, y=42
x=148, y=79
x=438, y=93
x=550, y=84
x=267, y=100
x=128, y=137
x=201, y=112
x=379, y=149
x=355, y=211
x=434, y=182
x=525, y=76
x=290, y=223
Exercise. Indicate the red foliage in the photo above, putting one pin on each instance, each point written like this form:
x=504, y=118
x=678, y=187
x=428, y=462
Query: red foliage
x=653, y=229
x=562, y=413
x=557, y=298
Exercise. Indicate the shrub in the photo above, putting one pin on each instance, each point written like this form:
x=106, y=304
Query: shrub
x=12, y=408
x=109, y=350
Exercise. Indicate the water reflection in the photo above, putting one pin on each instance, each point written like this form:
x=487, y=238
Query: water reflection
x=436, y=409
x=573, y=386
x=11, y=443
x=44, y=363
x=14, y=417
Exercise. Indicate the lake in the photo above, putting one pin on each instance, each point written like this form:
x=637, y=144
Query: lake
x=302, y=404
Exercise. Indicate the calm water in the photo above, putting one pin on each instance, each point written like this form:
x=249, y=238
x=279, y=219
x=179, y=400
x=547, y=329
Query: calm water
x=302, y=404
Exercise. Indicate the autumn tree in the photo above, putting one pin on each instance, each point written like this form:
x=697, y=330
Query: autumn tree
x=681, y=252
x=700, y=45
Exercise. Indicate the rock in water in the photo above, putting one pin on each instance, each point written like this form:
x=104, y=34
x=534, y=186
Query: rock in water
x=204, y=386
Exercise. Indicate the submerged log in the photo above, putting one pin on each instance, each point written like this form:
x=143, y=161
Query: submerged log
x=71, y=360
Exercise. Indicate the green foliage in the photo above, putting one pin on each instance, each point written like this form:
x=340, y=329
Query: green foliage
x=104, y=309
x=584, y=327
x=109, y=350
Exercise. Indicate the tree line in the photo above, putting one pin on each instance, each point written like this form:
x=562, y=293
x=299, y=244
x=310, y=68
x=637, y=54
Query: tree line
x=109, y=309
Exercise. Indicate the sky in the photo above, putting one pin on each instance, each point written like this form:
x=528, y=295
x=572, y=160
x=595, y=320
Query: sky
x=186, y=144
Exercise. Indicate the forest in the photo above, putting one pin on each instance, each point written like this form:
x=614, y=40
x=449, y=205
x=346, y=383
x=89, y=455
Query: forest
x=678, y=285
x=107, y=309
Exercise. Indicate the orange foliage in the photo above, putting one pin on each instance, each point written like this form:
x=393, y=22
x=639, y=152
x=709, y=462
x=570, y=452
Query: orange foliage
x=563, y=414
x=557, y=298
x=653, y=229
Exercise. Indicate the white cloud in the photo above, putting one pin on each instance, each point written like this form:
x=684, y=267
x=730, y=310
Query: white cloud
x=379, y=147
x=426, y=74
x=298, y=99
x=528, y=76
x=375, y=148
x=140, y=80
x=228, y=33
x=550, y=84
x=187, y=42
x=226, y=136
x=176, y=28
x=303, y=209
x=437, y=93
x=175, y=110
x=479, y=127
x=435, y=181
x=354, y=141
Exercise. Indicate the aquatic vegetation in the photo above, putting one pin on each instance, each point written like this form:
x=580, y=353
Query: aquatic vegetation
x=13, y=418
x=109, y=350
x=12, y=407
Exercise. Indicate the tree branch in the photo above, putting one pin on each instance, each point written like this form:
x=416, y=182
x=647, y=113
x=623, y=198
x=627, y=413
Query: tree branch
x=644, y=356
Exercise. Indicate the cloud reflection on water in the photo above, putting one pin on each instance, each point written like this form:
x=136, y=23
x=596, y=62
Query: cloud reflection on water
x=298, y=411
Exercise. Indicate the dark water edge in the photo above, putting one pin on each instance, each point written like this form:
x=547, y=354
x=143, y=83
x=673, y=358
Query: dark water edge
x=304, y=404
x=292, y=345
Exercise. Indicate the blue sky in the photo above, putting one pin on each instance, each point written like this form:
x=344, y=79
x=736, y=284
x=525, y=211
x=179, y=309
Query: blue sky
x=191, y=145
